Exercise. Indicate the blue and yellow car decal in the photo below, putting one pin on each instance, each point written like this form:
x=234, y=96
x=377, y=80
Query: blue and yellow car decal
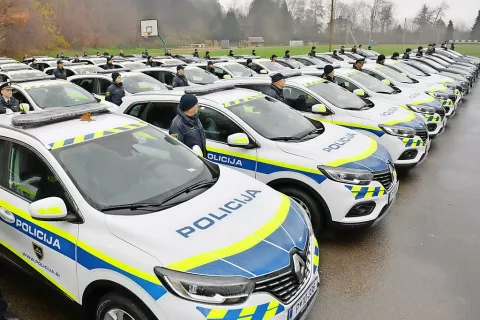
x=261, y=312
x=360, y=192
x=412, y=142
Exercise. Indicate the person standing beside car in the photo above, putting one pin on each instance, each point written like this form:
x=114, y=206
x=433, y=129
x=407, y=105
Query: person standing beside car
x=313, y=52
x=109, y=65
x=195, y=54
x=76, y=59
x=60, y=72
x=115, y=91
x=419, y=51
x=276, y=88
x=186, y=126
x=406, y=55
x=395, y=56
x=358, y=65
x=7, y=101
x=180, y=80
x=329, y=73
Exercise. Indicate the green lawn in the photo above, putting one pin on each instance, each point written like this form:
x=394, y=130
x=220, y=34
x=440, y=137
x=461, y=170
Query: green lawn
x=267, y=52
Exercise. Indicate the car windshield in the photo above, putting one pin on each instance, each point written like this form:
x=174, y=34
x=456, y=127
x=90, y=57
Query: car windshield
x=87, y=69
x=199, y=76
x=371, y=83
x=271, y=118
x=134, y=65
x=411, y=70
x=139, y=82
x=25, y=74
x=395, y=75
x=439, y=61
x=136, y=166
x=327, y=59
x=337, y=96
x=59, y=94
x=273, y=66
x=239, y=69
x=424, y=67
x=434, y=64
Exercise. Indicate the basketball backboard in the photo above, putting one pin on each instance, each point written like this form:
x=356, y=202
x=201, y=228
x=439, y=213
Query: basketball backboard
x=149, y=28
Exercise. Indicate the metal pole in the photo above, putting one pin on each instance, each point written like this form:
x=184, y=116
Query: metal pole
x=404, y=30
x=164, y=43
x=331, y=28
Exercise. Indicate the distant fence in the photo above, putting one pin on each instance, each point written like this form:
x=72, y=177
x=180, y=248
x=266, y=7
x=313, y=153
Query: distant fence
x=464, y=41
x=296, y=43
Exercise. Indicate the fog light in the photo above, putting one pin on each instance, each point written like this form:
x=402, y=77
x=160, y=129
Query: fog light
x=408, y=155
x=361, y=209
x=432, y=127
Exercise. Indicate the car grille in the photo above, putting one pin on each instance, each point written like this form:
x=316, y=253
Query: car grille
x=284, y=284
x=384, y=177
x=422, y=134
x=441, y=112
x=453, y=98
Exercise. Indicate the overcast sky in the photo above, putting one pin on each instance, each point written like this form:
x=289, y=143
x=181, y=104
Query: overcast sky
x=460, y=10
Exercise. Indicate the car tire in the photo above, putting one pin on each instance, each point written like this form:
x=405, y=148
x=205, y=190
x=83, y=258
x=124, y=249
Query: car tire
x=313, y=207
x=116, y=304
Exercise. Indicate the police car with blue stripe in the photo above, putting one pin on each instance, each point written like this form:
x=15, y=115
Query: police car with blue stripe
x=131, y=224
x=342, y=178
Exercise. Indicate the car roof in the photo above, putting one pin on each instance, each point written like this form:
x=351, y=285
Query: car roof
x=69, y=129
x=40, y=83
x=345, y=71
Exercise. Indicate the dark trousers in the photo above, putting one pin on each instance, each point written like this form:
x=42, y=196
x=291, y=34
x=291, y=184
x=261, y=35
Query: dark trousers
x=3, y=306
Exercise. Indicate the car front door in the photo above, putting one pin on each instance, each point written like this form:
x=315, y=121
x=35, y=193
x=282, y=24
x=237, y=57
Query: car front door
x=47, y=247
x=302, y=101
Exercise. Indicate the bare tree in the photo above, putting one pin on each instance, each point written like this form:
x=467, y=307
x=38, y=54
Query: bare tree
x=374, y=9
x=439, y=12
x=385, y=16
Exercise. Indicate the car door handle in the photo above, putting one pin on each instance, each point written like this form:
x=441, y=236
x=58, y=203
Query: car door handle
x=7, y=215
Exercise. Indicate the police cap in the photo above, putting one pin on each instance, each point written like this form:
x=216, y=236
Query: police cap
x=6, y=86
x=180, y=68
x=277, y=77
x=210, y=63
x=59, y=62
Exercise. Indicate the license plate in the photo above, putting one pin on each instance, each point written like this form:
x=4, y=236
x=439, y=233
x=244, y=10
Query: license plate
x=303, y=302
x=393, y=194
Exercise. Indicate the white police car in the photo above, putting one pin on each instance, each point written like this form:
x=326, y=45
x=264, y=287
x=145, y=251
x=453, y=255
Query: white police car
x=341, y=177
x=131, y=224
x=400, y=131
x=368, y=87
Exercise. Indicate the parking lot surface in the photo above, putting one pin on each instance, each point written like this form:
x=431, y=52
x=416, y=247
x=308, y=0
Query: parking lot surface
x=420, y=262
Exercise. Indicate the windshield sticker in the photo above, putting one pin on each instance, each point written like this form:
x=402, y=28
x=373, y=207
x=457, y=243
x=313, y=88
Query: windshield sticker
x=95, y=135
x=239, y=101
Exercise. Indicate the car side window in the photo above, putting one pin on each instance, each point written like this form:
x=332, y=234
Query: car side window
x=103, y=85
x=87, y=84
x=344, y=83
x=373, y=74
x=49, y=72
x=69, y=72
x=168, y=77
x=216, y=125
x=257, y=68
x=161, y=114
x=299, y=100
x=283, y=63
x=20, y=97
x=3, y=78
x=137, y=109
x=220, y=73
x=158, y=75
x=30, y=178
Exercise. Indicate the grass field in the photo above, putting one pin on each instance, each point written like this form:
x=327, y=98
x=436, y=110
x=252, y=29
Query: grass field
x=266, y=52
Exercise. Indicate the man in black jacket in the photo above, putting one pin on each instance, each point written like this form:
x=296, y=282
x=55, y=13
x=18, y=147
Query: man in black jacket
x=406, y=55
x=109, y=65
x=115, y=91
x=276, y=89
x=76, y=59
x=328, y=73
x=186, y=126
x=287, y=54
x=395, y=56
x=430, y=50
x=150, y=62
x=207, y=55
x=122, y=54
x=169, y=53
x=313, y=53
x=195, y=53
x=254, y=52
x=210, y=67
x=7, y=101
x=60, y=73
x=354, y=49
x=419, y=52
x=180, y=80
x=230, y=54
x=342, y=50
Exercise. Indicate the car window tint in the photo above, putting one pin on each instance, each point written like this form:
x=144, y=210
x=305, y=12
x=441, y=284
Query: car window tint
x=87, y=84
x=20, y=97
x=161, y=114
x=345, y=84
x=299, y=100
x=103, y=85
x=217, y=126
x=137, y=109
x=374, y=74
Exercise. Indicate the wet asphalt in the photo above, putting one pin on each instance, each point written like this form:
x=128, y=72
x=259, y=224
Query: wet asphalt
x=421, y=262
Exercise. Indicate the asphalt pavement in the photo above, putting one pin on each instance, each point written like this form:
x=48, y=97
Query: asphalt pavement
x=420, y=262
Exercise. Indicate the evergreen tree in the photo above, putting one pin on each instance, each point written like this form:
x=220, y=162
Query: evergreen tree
x=449, y=32
x=475, y=34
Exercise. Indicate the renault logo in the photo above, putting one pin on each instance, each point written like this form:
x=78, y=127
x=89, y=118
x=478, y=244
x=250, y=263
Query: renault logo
x=299, y=267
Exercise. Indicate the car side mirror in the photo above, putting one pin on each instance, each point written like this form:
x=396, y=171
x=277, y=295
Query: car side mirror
x=198, y=151
x=321, y=109
x=48, y=209
x=227, y=76
x=387, y=82
x=24, y=107
x=359, y=92
x=263, y=71
x=238, y=140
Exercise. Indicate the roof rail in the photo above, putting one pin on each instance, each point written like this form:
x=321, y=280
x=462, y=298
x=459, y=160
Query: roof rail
x=41, y=118
x=209, y=88
x=45, y=77
x=288, y=73
x=11, y=68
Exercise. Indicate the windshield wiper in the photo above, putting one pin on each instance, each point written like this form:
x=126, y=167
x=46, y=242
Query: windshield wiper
x=285, y=139
x=316, y=130
x=163, y=204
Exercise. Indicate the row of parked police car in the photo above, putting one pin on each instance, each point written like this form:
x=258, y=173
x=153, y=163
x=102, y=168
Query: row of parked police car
x=103, y=204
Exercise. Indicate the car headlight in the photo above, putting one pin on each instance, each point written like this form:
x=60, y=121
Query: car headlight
x=207, y=289
x=421, y=109
x=451, y=86
x=398, y=131
x=350, y=176
x=438, y=95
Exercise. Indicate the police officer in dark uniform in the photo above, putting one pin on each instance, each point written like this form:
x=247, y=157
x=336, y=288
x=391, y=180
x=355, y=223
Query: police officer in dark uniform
x=406, y=55
x=109, y=65
x=433, y=47
x=381, y=59
x=342, y=50
x=76, y=59
x=419, y=52
x=7, y=101
x=60, y=73
x=115, y=91
x=273, y=58
x=85, y=54
x=186, y=126
x=395, y=56
x=207, y=55
x=249, y=63
x=452, y=47
x=276, y=89
x=358, y=65
x=354, y=49
x=169, y=53
x=230, y=54
x=313, y=52
x=180, y=80
x=336, y=56
x=34, y=64
x=210, y=67
x=195, y=53
x=150, y=62
x=122, y=54
x=62, y=56
x=429, y=50
x=287, y=54
x=369, y=47
x=328, y=73
x=254, y=52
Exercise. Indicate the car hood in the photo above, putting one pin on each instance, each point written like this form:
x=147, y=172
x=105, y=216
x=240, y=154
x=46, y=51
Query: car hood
x=413, y=97
x=243, y=228
x=341, y=147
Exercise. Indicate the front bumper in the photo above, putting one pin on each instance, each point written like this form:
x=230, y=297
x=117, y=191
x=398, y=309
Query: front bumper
x=435, y=124
x=405, y=151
